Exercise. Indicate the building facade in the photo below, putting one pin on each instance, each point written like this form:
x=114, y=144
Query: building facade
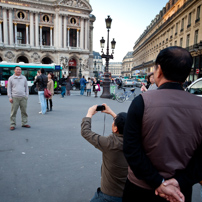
x=48, y=31
x=98, y=65
x=127, y=65
x=179, y=23
x=115, y=68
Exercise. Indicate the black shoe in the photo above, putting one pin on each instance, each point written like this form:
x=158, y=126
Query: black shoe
x=50, y=109
x=47, y=110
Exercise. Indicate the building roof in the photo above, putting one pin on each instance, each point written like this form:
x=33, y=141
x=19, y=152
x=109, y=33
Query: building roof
x=96, y=55
x=128, y=55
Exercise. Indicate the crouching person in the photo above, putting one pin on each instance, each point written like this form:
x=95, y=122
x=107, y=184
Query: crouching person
x=114, y=166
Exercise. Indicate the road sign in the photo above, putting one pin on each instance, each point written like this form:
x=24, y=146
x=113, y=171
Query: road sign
x=197, y=71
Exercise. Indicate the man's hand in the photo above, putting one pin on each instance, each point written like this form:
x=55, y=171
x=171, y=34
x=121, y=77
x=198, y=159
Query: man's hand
x=91, y=111
x=10, y=100
x=170, y=190
x=108, y=110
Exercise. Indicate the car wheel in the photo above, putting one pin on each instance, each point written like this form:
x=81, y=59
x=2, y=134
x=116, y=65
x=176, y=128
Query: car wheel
x=74, y=88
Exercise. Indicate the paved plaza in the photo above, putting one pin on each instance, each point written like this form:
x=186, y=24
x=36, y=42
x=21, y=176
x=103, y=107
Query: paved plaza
x=51, y=161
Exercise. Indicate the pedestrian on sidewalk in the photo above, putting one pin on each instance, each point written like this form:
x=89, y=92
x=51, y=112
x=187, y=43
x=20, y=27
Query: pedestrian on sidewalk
x=37, y=87
x=50, y=87
x=88, y=87
x=82, y=85
x=42, y=81
x=114, y=167
x=96, y=86
x=62, y=85
x=68, y=85
x=18, y=93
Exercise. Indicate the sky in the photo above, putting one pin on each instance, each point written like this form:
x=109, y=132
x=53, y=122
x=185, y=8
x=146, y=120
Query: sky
x=129, y=20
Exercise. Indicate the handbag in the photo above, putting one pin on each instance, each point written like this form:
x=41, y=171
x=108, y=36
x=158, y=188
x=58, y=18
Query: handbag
x=47, y=93
x=96, y=87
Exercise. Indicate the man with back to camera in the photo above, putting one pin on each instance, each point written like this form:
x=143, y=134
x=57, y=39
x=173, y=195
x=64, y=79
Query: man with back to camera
x=18, y=93
x=163, y=132
x=114, y=167
x=42, y=81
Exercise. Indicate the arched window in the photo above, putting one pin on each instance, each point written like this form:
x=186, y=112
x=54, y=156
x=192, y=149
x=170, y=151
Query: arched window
x=22, y=59
x=46, y=60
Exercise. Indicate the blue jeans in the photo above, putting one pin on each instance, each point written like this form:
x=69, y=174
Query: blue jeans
x=63, y=89
x=100, y=197
x=43, y=101
x=82, y=89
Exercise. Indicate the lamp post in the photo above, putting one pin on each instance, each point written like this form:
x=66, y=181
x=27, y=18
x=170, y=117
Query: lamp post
x=98, y=72
x=95, y=75
x=80, y=75
x=106, y=82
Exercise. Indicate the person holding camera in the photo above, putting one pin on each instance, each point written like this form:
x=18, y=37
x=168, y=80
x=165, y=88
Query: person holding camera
x=114, y=168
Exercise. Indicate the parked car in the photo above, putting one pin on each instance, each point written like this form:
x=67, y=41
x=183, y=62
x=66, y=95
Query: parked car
x=73, y=84
x=195, y=88
x=128, y=83
x=144, y=82
x=76, y=84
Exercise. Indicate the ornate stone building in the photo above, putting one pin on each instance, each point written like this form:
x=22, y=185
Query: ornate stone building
x=179, y=23
x=127, y=65
x=115, y=68
x=48, y=31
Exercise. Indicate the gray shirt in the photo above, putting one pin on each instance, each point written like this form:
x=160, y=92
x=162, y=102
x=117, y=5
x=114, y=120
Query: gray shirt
x=17, y=86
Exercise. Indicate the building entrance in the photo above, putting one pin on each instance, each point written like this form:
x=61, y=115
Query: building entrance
x=72, y=68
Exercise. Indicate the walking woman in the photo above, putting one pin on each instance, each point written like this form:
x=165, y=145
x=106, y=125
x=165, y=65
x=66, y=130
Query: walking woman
x=88, y=87
x=50, y=87
x=68, y=85
x=96, y=86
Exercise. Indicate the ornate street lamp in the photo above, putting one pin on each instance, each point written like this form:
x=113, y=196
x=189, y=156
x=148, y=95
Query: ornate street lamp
x=106, y=82
x=80, y=74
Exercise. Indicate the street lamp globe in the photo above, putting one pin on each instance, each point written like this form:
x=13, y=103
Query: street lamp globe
x=113, y=44
x=102, y=43
x=108, y=22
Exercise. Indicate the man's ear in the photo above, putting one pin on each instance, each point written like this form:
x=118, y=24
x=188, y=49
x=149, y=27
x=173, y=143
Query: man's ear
x=159, y=72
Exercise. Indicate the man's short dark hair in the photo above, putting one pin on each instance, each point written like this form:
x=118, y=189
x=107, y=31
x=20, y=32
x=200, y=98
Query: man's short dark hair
x=175, y=62
x=16, y=67
x=42, y=70
x=120, y=121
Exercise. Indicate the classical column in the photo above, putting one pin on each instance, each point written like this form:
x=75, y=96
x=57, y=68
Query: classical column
x=91, y=39
x=86, y=34
x=31, y=29
x=82, y=33
x=0, y=31
x=65, y=32
x=77, y=44
x=51, y=36
x=40, y=35
x=56, y=36
x=27, y=34
x=5, y=29
x=36, y=29
x=68, y=36
x=11, y=26
x=16, y=37
x=60, y=31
